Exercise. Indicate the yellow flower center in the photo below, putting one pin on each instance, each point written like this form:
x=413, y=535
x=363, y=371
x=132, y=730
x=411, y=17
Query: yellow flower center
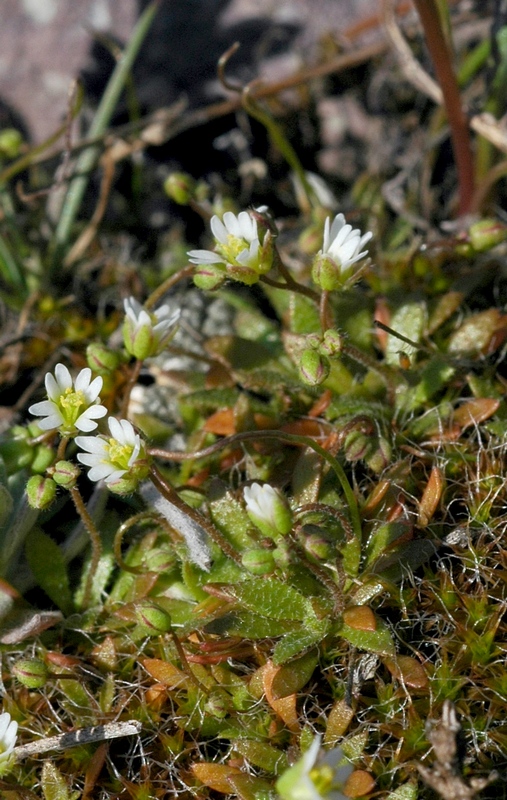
x=71, y=403
x=119, y=454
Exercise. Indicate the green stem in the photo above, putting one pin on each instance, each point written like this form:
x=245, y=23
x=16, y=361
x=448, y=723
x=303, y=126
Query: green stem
x=458, y=122
x=88, y=157
x=290, y=438
x=95, y=542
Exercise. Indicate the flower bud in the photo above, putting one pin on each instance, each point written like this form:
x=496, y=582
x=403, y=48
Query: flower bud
x=11, y=141
x=31, y=672
x=15, y=449
x=101, y=359
x=258, y=561
x=209, y=277
x=357, y=445
x=268, y=509
x=180, y=187
x=380, y=457
x=313, y=367
x=40, y=492
x=326, y=273
x=65, y=473
x=152, y=619
x=218, y=704
x=332, y=345
x=43, y=458
x=486, y=233
x=317, y=546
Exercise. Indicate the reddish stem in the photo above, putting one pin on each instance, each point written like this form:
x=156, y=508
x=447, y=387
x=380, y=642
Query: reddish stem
x=458, y=122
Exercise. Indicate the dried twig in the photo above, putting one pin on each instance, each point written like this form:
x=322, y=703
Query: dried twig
x=445, y=775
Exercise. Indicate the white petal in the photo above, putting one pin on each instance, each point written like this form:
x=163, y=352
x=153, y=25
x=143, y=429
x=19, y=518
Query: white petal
x=204, y=257
x=85, y=424
x=82, y=381
x=52, y=388
x=247, y=226
x=63, y=377
x=88, y=459
x=115, y=476
x=49, y=423
x=5, y=719
x=44, y=408
x=129, y=434
x=92, y=444
x=336, y=225
x=232, y=224
x=103, y=471
x=218, y=229
x=94, y=389
x=130, y=304
x=116, y=429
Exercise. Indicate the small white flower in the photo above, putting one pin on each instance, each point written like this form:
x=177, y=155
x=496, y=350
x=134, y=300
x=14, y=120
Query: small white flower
x=296, y=782
x=239, y=253
x=72, y=405
x=123, y=456
x=146, y=333
x=8, y=734
x=267, y=507
x=343, y=243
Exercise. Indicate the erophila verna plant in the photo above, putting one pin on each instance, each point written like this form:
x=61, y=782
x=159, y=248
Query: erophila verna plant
x=253, y=483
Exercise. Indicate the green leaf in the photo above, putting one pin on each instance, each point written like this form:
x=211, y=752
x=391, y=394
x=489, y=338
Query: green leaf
x=262, y=755
x=272, y=599
x=229, y=516
x=409, y=320
x=293, y=676
x=46, y=561
x=408, y=791
x=54, y=786
x=296, y=642
x=379, y=641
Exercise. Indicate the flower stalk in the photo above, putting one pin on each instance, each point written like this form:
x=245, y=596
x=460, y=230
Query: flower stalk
x=438, y=47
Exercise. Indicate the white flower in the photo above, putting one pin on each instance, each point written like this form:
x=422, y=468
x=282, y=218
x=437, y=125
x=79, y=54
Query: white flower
x=267, y=508
x=238, y=252
x=237, y=241
x=120, y=458
x=343, y=243
x=8, y=734
x=146, y=333
x=72, y=405
x=296, y=782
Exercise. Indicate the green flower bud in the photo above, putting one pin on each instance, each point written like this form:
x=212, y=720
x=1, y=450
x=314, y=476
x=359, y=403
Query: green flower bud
x=43, y=458
x=65, y=473
x=209, y=277
x=258, y=561
x=31, y=672
x=217, y=704
x=380, y=457
x=40, y=492
x=11, y=141
x=326, y=273
x=16, y=450
x=332, y=345
x=317, y=546
x=313, y=367
x=102, y=359
x=268, y=509
x=487, y=233
x=282, y=554
x=152, y=619
x=240, y=274
x=357, y=445
x=180, y=187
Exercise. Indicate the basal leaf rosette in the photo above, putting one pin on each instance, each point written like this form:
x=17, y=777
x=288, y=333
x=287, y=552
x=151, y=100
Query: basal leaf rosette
x=121, y=460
